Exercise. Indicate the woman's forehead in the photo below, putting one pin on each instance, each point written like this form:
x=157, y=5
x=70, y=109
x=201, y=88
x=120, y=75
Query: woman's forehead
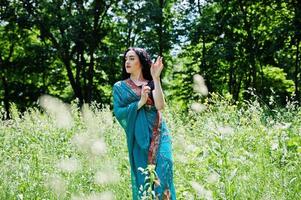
x=131, y=53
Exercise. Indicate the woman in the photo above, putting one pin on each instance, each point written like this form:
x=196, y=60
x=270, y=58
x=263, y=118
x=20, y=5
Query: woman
x=138, y=100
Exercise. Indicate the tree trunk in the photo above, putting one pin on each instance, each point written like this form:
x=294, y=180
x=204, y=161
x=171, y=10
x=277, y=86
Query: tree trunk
x=75, y=86
x=203, y=66
x=250, y=51
x=237, y=89
x=297, y=24
x=6, y=89
x=3, y=64
x=231, y=80
x=297, y=82
x=160, y=30
x=88, y=98
x=6, y=97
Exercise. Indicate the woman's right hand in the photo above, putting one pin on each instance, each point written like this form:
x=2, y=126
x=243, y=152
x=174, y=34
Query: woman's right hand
x=144, y=95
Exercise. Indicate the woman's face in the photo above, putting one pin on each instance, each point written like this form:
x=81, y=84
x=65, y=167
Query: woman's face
x=132, y=62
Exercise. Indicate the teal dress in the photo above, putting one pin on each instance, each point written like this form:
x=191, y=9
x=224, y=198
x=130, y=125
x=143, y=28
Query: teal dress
x=148, y=139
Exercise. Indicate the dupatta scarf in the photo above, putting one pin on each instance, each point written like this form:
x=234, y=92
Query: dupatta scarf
x=141, y=127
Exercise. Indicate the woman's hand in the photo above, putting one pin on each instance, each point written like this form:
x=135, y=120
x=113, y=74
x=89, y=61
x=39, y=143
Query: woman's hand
x=156, y=68
x=144, y=95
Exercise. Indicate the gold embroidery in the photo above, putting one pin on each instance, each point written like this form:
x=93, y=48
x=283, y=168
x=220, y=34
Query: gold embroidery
x=134, y=87
x=152, y=153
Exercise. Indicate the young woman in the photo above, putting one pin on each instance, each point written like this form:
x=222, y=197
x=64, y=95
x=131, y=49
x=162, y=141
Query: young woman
x=138, y=100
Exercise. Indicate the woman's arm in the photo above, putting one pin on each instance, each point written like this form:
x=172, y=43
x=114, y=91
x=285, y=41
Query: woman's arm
x=156, y=69
x=158, y=94
x=140, y=104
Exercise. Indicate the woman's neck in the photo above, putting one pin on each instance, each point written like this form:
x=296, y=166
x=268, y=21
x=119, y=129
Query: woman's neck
x=137, y=77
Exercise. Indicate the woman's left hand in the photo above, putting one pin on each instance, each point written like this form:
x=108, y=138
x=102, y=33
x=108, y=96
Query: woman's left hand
x=156, y=68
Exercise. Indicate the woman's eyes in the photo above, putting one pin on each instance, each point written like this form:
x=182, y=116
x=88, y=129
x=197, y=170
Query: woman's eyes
x=130, y=59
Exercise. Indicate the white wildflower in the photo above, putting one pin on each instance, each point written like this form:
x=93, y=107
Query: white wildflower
x=89, y=118
x=282, y=125
x=274, y=145
x=57, y=109
x=89, y=144
x=82, y=142
x=199, y=85
x=20, y=196
x=181, y=158
x=68, y=165
x=57, y=185
x=190, y=148
x=98, y=147
x=225, y=131
x=233, y=174
x=213, y=178
x=197, y=107
x=188, y=195
x=201, y=191
x=106, y=177
x=108, y=195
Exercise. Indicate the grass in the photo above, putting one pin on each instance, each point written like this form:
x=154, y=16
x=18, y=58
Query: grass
x=222, y=152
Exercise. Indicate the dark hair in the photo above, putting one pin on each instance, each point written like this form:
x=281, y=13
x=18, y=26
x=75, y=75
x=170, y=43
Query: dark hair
x=144, y=59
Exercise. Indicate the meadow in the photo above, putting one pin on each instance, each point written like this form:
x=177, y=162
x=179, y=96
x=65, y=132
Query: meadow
x=220, y=151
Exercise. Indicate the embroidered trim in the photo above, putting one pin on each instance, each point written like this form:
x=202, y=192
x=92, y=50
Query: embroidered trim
x=154, y=146
x=137, y=90
x=133, y=86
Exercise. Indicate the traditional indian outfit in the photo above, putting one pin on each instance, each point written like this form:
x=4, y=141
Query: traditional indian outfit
x=148, y=138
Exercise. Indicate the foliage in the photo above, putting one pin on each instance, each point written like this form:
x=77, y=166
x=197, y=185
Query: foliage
x=73, y=49
x=231, y=43
x=223, y=152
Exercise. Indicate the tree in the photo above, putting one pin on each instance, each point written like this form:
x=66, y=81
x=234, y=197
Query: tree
x=75, y=30
x=234, y=42
x=22, y=58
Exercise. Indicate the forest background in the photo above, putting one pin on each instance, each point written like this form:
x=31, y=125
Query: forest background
x=74, y=48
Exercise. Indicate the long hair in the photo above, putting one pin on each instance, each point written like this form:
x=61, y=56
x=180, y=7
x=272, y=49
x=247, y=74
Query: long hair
x=145, y=61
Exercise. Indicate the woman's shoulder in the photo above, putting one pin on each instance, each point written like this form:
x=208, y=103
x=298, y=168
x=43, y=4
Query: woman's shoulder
x=118, y=83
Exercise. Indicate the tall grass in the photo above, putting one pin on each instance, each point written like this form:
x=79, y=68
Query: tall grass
x=220, y=152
